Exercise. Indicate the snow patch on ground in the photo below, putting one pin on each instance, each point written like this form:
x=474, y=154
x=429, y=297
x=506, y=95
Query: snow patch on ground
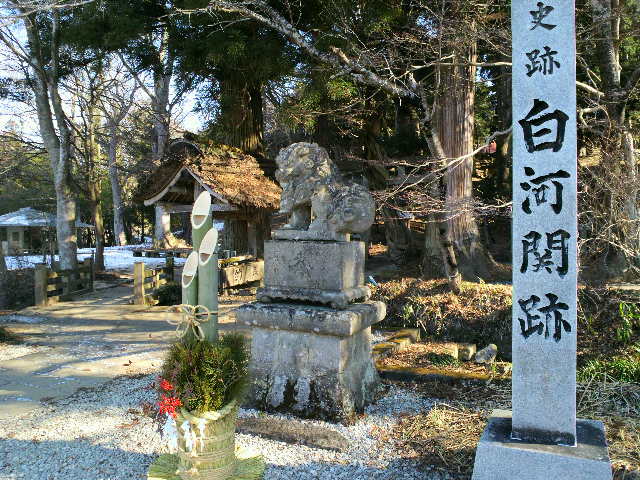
x=10, y=352
x=115, y=258
x=22, y=319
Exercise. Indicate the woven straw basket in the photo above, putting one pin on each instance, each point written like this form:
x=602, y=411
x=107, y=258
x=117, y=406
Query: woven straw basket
x=212, y=455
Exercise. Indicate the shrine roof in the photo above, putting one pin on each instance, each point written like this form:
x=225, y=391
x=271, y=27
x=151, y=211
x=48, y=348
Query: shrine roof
x=226, y=172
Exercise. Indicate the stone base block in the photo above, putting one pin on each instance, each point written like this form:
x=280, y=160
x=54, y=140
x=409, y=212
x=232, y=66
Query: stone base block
x=500, y=458
x=307, y=270
x=311, y=318
x=336, y=299
x=313, y=362
x=292, y=234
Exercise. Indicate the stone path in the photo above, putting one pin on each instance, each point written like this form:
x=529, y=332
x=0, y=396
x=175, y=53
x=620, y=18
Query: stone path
x=84, y=343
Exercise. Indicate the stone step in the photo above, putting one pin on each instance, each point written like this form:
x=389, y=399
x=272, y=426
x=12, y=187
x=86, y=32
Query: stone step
x=396, y=342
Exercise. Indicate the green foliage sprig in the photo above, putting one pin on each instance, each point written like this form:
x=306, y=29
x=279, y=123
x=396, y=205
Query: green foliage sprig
x=618, y=368
x=7, y=336
x=630, y=314
x=169, y=294
x=207, y=376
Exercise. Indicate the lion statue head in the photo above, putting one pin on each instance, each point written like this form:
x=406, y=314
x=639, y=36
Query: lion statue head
x=315, y=195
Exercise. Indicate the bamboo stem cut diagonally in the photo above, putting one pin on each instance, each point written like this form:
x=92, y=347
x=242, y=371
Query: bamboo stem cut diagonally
x=201, y=220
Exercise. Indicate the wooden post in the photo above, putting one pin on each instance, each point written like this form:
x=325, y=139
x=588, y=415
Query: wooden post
x=157, y=281
x=67, y=284
x=41, y=284
x=138, y=283
x=52, y=274
x=92, y=272
x=170, y=269
x=87, y=265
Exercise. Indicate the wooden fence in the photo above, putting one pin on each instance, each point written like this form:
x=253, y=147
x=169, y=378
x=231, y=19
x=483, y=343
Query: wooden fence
x=234, y=272
x=146, y=281
x=55, y=285
x=241, y=273
x=162, y=252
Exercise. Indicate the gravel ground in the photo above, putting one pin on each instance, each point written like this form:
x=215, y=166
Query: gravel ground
x=102, y=434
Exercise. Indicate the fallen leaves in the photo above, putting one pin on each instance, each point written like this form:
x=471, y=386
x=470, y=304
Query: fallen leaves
x=135, y=422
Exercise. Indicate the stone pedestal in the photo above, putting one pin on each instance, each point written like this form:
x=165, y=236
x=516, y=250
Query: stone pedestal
x=315, y=271
x=498, y=457
x=312, y=361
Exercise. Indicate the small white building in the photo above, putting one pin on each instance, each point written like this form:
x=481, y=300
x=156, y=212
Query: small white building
x=29, y=230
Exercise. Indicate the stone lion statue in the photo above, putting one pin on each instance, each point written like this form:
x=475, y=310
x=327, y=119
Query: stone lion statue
x=317, y=198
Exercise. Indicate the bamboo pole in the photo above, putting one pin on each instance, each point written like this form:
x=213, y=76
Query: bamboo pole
x=208, y=282
x=190, y=288
x=190, y=280
x=201, y=220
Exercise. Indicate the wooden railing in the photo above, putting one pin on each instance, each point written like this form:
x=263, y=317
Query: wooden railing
x=146, y=281
x=245, y=271
x=53, y=286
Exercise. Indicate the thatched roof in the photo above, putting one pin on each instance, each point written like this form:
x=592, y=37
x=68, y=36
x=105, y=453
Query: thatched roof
x=225, y=171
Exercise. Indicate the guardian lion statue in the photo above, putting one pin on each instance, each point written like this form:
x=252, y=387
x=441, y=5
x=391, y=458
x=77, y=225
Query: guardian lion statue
x=317, y=198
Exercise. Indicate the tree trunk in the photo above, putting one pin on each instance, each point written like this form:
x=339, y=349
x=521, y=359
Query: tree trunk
x=407, y=126
x=92, y=159
x=141, y=214
x=163, y=237
x=116, y=189
x=242, y=118
x=161, y=117
x=631, y=164
x=65, y=225
x=454, y=122
x=3, y=279
x=96, y=213
x=617, y=144
x=375, y=170
x=242, y=127
x=447, y=253
x=44, y=83
x=323, y=133
x=502, y=160
x=433, y=263
x=397, y=237
x=160, y=98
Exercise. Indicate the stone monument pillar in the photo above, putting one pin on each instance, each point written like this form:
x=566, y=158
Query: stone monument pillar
x=541, y=438
x=311, y=326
